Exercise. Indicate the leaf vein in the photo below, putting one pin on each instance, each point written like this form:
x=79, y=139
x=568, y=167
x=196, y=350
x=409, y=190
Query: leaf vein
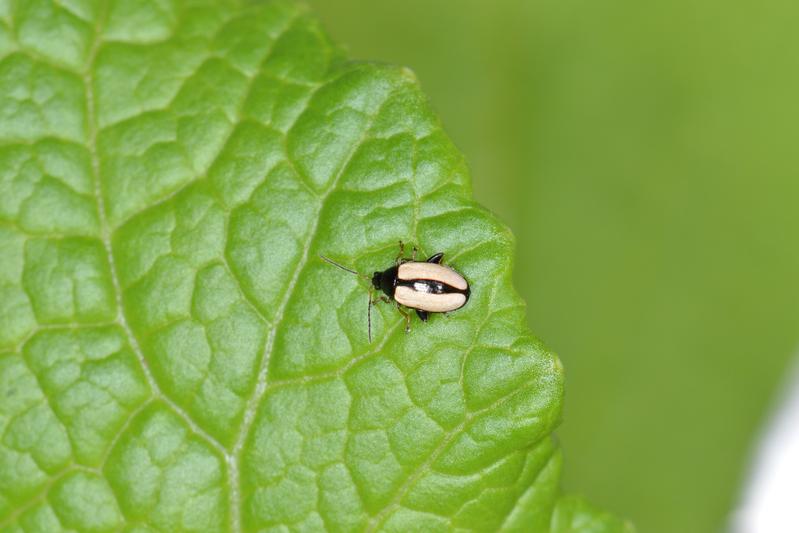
x=261, y=386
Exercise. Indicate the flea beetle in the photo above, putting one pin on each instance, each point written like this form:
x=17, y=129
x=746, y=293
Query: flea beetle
x=424, y=286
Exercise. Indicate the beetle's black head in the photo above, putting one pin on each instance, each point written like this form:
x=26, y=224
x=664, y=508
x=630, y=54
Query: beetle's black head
x=386, y=281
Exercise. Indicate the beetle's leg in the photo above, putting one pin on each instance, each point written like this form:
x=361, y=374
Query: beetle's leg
x=401, y=254
x=435, y=258
x=414, y=253
x=407, y=319
x=373, y=302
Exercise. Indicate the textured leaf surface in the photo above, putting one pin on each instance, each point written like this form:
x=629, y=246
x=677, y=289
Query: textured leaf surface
x=173, y=355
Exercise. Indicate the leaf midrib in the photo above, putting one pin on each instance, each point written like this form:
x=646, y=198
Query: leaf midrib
x=105, y=237
x=231, y=457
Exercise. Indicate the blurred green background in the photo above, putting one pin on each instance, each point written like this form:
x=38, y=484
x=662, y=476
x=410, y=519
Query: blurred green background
x=645, y=155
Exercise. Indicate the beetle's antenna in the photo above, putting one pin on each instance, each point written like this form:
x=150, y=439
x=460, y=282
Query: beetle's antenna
x=369, y=317
x=342, y=267
x=351, y=271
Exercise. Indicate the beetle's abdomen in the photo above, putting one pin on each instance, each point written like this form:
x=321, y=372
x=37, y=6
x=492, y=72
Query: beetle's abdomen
x=430, y=287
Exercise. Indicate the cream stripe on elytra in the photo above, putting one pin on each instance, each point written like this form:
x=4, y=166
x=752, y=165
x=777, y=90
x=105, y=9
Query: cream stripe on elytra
x=434, y=303
x=433, y=271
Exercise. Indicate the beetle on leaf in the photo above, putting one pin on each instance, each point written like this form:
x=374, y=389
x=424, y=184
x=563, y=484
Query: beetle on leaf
x=424, y=286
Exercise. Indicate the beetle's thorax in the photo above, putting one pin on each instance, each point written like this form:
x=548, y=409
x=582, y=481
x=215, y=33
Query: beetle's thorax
x=386, y=281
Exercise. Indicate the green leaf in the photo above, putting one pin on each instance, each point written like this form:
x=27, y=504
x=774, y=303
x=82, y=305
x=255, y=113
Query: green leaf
x=173, y=354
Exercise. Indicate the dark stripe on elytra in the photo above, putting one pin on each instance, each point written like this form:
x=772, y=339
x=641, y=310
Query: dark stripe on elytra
x=438, y=287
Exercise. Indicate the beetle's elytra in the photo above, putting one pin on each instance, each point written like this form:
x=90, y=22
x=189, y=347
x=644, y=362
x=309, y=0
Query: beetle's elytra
x=424, y=286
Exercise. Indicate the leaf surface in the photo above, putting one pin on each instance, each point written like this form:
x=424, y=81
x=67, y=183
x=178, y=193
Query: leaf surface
x=173, y=354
